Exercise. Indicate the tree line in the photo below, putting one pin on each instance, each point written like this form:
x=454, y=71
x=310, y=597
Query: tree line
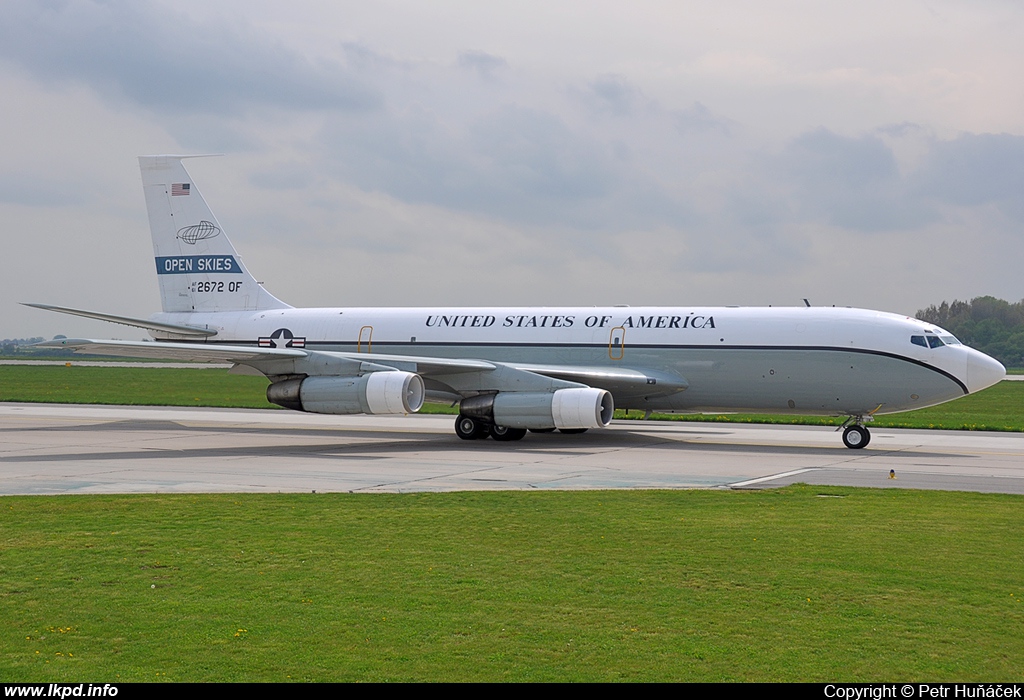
x=994, y=326
x=22, y=347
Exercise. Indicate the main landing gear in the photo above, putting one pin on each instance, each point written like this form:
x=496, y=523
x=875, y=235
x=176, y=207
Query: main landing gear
x=855, y=436
x=471, y=428
x=503, y=434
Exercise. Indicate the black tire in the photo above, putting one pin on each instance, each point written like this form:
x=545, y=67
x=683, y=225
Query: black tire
x=572, y=431
x=856, y=437
x=469, y=428
x=503, y=434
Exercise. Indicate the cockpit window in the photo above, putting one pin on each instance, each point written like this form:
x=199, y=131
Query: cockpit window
x=933, y=341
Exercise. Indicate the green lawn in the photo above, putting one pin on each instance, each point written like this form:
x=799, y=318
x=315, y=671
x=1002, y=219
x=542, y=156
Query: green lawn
x=802, y=583
x=1000, y=407
x=132, y=386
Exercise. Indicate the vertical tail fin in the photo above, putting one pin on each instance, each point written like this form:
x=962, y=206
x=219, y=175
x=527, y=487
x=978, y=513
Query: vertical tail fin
x=197, y=267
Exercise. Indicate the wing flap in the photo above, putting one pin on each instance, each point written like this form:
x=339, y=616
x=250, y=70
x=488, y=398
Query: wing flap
x=621, y=381
x=427, y=366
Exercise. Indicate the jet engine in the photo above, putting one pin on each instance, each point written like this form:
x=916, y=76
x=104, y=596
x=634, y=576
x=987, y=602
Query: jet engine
x=376, y=393
x=565, y=408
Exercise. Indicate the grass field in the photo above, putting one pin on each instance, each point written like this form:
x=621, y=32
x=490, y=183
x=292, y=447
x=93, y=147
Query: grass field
x=1000, y=407
x=132, y=386
x=802, y=583
x=798, y=584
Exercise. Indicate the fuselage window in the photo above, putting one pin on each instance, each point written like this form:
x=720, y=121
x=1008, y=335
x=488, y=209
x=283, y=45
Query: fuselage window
x=918, y=340
x=950, y=340
x=933, y=341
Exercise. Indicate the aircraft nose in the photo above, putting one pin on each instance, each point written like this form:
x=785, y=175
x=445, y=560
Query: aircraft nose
x=982, y=371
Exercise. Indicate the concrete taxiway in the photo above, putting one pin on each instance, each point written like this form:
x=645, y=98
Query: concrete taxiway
x=64, y=449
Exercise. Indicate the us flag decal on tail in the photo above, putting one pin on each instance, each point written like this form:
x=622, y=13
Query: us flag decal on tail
x=181, y=190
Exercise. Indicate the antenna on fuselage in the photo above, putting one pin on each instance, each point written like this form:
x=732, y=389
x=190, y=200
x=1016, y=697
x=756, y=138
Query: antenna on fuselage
x=807, y=303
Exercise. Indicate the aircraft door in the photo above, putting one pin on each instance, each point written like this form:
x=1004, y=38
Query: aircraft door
x=617, y=343
x=365, y=339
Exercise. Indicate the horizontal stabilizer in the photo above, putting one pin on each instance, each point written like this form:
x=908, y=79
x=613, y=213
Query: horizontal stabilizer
x=129, y=321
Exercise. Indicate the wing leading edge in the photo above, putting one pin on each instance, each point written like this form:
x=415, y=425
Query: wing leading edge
x=447, y=379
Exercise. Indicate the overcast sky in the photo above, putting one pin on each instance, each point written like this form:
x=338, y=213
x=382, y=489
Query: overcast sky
x=533, y=153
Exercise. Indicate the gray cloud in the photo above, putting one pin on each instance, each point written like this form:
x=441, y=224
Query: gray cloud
x=284, y=176
x=164, y=61
x=486, y=65
x=976, y=169
x=34, y=191
x=511, y=163
x=539, y=155
x=698, y=118
x=900, y=130
x=853, y=183
x=449, y=140
x=822, y=159
x=613, y=94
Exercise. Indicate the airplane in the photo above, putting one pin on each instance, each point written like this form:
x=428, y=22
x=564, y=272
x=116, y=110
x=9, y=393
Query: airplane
x=511, y=370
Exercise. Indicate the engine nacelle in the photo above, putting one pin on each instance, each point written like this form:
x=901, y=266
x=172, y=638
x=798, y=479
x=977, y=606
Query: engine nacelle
x=582, y=408
x=565, y=408
x=376, y=393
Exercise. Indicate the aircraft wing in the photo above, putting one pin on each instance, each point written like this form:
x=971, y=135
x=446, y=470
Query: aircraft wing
x=452, y=376
x=259, y=357
x=458, y=377
x=184, y=352
x=618, y=380
x=273, y=360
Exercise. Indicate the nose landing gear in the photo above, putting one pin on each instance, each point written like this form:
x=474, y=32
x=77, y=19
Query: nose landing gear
x=856, y=437
x=855, y=434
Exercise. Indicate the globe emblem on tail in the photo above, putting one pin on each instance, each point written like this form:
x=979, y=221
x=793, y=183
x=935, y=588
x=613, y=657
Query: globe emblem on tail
x=199, y=232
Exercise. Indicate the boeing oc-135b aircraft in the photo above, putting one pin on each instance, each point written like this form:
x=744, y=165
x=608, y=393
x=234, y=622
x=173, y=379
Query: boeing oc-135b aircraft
x=516, y=369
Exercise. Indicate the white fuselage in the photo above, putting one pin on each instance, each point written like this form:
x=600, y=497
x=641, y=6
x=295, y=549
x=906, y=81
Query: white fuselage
x=814, y=360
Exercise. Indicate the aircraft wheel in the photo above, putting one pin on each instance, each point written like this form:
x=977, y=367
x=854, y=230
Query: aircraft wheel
x=856, y=437
x=469, y=428
x=542, y=430
x=572, y=431
x=503, y=434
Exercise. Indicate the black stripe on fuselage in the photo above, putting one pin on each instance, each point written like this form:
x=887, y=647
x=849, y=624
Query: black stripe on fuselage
x=425, y=346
